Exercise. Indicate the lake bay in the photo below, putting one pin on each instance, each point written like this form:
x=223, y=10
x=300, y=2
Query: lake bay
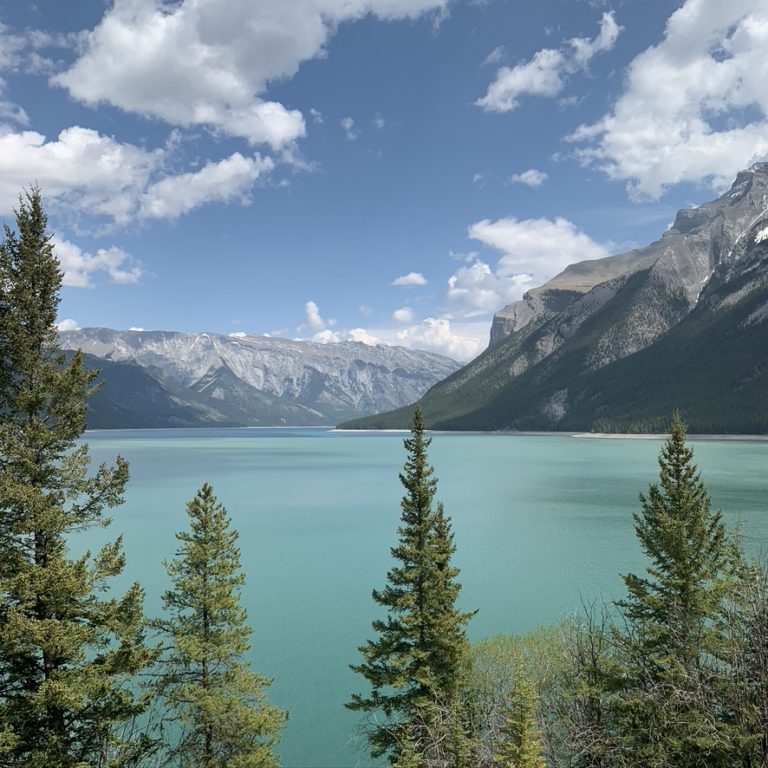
x=540, y=522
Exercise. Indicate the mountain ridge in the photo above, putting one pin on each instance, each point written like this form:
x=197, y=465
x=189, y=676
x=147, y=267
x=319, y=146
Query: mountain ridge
x=555, y=357
x=220, y=380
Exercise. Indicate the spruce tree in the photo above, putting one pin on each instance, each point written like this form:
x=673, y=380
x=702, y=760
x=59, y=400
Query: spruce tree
x=673, y=642
x=521, y=746
x=416, y=665
x=67, y=654
x=215, y=703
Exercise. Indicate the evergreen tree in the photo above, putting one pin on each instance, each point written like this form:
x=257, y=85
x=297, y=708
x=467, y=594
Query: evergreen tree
x=522, y=742
x=66, y=654
x=674, y=643
x=215, y=702
x=416, y=665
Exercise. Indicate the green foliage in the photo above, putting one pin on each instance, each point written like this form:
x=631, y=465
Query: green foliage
x=674, y=644
x=521, y=743
x=67, y=656
x=216, y=704
x=712, y=364
x=416, y=665
x=504, y=667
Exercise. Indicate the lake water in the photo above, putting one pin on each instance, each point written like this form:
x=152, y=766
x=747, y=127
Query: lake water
x=540, y=523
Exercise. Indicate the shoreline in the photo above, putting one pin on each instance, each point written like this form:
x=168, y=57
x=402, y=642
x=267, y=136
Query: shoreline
x=725, y=437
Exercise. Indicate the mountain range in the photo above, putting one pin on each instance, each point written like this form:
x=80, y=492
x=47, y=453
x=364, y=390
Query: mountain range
x=616, y=344
x=168, y=379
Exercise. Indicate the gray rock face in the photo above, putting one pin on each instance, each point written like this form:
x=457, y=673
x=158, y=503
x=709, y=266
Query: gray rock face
x=675, y=270
x=262, y=380
x=625, y=339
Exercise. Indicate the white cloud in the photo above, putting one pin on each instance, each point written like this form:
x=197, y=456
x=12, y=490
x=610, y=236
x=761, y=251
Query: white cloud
x=478, y=290
x=348, y=125
x=82, y=169
x=461, y=341
x=546, y=73
x=68, y=325
x=209, y=62
x=412, y=278
x=533, y=251
x=223, y=181
x=438, y=335
x=496, y=56
x=326, y=337
x=685, y=111
x=238, y=335
x=80, y=267
x=10, y=112
x=316, y=115
x=379, y=122
x=585, y=49
x=362, y=336
x=85, y=173
x=404, y=315
x=531, y=178
x=313, y=320
x=136, y=328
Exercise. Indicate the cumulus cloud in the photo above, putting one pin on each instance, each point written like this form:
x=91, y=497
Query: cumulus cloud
x=237, y=335
x=533, y=251
x=313, y=320
x=80, y=267
x=348, y=126
x=403, y=315
x=68, y=324
x=412, y=278
x=224, y=181
x=362, y=336
x=531, y=178
x=439, y=335
x=479, y=290
x=326, y=337
x=546, y=73
x=82, y=169
x=209, y=62
x=85, y=173
x=695, y=106
x=379, y=121
x=136, y=328
x=354, y=334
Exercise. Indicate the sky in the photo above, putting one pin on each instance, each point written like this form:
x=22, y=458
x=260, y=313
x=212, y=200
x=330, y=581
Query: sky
x=374, y=170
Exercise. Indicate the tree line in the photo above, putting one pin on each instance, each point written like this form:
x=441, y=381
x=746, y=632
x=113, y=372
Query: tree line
x=673, y=674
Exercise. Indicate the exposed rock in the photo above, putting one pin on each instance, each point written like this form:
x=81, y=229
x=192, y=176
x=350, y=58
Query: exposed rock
x=262, y=380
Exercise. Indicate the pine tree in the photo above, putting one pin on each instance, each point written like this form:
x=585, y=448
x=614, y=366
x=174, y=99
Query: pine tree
x=416, y=664
x=67, y=656
x=674, y=644
x=522, y=743
x=216, y=704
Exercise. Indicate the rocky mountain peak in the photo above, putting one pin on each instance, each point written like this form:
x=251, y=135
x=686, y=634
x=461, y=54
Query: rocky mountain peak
x=683, y=260
x=264, y=380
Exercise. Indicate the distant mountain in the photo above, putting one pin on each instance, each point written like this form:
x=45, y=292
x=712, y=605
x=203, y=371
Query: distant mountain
x=615, y=344
x=162, y=379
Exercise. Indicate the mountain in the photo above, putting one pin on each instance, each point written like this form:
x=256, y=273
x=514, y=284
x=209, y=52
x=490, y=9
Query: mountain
x=615, y=344
x=162, y=379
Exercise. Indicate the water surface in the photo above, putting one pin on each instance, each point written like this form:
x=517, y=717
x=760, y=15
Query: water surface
x=541, y=522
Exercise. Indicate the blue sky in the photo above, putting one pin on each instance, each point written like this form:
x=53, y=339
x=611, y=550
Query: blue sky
x=391, y=170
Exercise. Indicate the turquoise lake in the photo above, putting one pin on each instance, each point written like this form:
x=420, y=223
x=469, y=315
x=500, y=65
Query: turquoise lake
x=540, y=524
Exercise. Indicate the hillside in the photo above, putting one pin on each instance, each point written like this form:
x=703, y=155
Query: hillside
x=159, y=379
x=615, y=344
